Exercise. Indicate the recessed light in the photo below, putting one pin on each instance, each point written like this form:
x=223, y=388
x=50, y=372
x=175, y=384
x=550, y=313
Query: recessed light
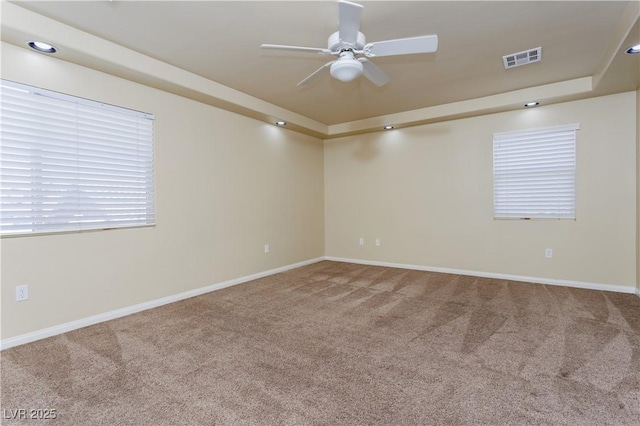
x=388, y=127
x=41, y=46
x=634, y=49
x=281, y=123
x=531, y=104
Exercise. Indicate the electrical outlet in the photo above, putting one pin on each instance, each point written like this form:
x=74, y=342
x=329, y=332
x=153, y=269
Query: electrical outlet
x=266, y=248
x=22, y=292
x=548, y=253
x=378, y=242
x=361, y=241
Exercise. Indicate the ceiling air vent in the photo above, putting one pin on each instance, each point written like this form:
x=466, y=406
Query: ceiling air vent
x=522, y=58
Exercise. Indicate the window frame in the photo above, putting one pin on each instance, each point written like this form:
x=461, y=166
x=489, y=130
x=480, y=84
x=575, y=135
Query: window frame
x=90, y=177
x=543, y=160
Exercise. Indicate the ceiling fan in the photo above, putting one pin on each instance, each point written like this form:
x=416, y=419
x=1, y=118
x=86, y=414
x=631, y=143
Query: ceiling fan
x=348, y=43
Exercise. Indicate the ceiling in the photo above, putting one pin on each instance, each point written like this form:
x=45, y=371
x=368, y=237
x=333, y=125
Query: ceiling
x=211, y=49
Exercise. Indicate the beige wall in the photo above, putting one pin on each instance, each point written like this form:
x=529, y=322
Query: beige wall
x=426, y=192
x=226, y=185
x=638, y=186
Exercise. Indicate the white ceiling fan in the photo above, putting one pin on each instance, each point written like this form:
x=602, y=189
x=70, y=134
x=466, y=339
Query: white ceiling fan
x=348, y=43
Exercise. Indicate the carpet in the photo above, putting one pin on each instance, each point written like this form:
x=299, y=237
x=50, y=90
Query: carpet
x=344, y=344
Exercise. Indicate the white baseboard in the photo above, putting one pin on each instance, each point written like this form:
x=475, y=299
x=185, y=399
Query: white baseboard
x=95, y=319
x=84, y=322
x=535, y=280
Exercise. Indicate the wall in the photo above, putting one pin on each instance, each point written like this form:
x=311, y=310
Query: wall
x=426, y=192
x=638, y=187
x=226, y=185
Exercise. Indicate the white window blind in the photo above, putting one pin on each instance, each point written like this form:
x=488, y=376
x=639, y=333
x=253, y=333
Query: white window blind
x=70, y=164
x=534, y=173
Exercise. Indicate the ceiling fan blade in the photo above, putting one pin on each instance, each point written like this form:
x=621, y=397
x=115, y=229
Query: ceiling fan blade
x=350, y=15
x=373, y=73
x=314, y=75
x=296, y=48
x=402, y=46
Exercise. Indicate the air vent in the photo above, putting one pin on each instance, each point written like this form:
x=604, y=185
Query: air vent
x=522, y=58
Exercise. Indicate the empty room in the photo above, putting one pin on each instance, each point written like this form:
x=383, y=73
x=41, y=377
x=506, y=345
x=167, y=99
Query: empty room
x=320, y=212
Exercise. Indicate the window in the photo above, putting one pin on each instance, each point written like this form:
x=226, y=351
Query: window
x=70, y=164
x=534, y=173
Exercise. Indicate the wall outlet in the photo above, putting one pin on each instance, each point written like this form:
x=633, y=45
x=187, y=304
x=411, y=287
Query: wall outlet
x=361, y=241
x=22, y=292
x=548, y=253
x=378, y=242
x=266, y=248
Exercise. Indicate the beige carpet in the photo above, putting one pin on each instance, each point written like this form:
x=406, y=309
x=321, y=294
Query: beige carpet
x=336, y=343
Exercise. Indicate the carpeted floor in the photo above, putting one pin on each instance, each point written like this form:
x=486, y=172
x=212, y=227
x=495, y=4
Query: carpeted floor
x=336, y=343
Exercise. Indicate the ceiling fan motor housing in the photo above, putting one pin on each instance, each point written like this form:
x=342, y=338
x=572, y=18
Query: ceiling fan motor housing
x=335, y=44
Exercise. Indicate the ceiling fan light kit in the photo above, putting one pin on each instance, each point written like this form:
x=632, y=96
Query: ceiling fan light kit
x=348, y=43
x=347, y=68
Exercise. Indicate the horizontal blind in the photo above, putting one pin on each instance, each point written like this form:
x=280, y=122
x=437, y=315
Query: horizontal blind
x=71, y=164
x=534, y=173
